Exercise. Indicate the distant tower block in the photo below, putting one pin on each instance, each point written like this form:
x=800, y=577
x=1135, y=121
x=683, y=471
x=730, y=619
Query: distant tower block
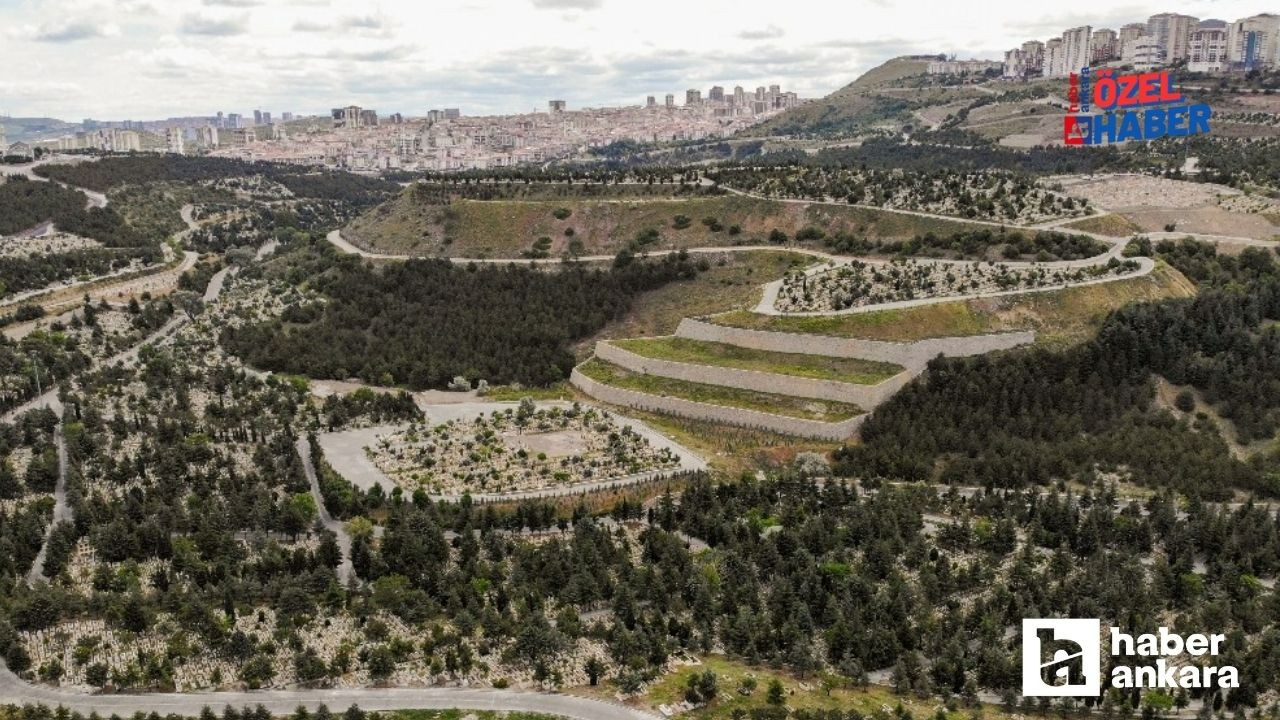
x=556, y=106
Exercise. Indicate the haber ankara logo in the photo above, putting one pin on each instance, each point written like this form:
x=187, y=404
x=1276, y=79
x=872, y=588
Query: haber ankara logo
x=1061, y=658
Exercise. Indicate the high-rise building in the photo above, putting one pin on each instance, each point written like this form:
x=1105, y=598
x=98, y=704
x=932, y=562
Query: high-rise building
x=1207, y=49
x=692, y=97
x=670, y=100
x=739, y=96
x=1254, y=42
x=1054, y=60
x=452, y=113
x=219, y=120
x=266, y=118
x=174, y=140
x=1104, y=46
x=257, y=117
x=716, y=94
x=1075, y=50
x=234, y=120
x=651, y=102
x=4, y=142
x=1128, y=33
x=1144, y=53
x=208, y=136
x=1172, y=32
x=556, y=106
x=286, y=117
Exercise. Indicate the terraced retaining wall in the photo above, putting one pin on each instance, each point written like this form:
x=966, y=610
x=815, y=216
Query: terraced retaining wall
x=911, y=355
x=715, y=413
x=866, y=397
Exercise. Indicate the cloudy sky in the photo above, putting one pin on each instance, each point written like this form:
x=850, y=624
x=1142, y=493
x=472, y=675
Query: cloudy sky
x=148, y=59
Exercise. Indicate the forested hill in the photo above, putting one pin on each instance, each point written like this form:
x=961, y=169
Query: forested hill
x=25, y=204
x=1030, y=418
x=423, y=322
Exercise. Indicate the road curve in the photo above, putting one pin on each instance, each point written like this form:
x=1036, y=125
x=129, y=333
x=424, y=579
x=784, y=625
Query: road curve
x=14, y=691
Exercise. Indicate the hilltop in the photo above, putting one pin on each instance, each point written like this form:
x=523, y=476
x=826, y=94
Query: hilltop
x=859, y=104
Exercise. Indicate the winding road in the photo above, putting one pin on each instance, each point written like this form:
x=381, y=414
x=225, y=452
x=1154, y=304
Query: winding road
x=14, y=691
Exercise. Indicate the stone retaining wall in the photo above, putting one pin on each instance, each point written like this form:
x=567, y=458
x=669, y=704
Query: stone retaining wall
x=866, y=397
x=715, y=413
x=912, y=355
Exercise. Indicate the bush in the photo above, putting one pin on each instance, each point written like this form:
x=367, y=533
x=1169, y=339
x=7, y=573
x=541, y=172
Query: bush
x=1185, y=401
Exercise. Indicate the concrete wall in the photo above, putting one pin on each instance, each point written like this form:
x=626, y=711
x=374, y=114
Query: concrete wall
x=912, y=355
x=866, y=397
x=715, y=413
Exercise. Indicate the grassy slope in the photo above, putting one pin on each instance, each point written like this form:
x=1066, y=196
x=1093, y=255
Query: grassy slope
x=853, y=104
x=611, y=374
x=504, y=228
x=876, y=701
x=733, y=282
x=1111, y=224
x=851, y=370
x=1059, y=317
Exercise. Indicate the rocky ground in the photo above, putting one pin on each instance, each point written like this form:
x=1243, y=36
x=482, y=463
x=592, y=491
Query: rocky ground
x=859, y=284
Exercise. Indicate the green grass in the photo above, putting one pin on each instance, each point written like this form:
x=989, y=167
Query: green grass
x=509, y=393
x=851, y=370
x=1059, y=317
x=1110, y=224
x=805, y=408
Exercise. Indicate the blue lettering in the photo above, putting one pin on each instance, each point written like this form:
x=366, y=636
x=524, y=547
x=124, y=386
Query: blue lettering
x=1104, y=124
x=1177, y=121
x=1200, y=115
x=1153, y=124
x=1130, y=129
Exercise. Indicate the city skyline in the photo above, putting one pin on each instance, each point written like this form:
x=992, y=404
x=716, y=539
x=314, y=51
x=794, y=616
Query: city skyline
x=193, y=58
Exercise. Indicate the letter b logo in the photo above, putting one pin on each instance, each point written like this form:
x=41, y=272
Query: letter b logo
x=1061, y=658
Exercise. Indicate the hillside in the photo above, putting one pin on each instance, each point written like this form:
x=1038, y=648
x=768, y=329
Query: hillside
x=24, y=129
x=856, y=105
x=508, y=228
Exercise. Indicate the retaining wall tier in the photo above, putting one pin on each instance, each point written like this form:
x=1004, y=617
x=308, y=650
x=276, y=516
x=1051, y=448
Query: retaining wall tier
x=695, y=410
x=909, y=354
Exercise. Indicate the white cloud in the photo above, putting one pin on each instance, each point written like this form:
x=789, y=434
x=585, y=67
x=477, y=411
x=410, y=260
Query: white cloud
x=196, y=24
x=769, y=32
x=72, y=30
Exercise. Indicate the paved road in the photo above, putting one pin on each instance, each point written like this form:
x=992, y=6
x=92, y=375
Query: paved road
x=13, y=691
x=346, y=570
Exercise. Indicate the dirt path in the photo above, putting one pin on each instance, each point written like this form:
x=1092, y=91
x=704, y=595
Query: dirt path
x=346, y=571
